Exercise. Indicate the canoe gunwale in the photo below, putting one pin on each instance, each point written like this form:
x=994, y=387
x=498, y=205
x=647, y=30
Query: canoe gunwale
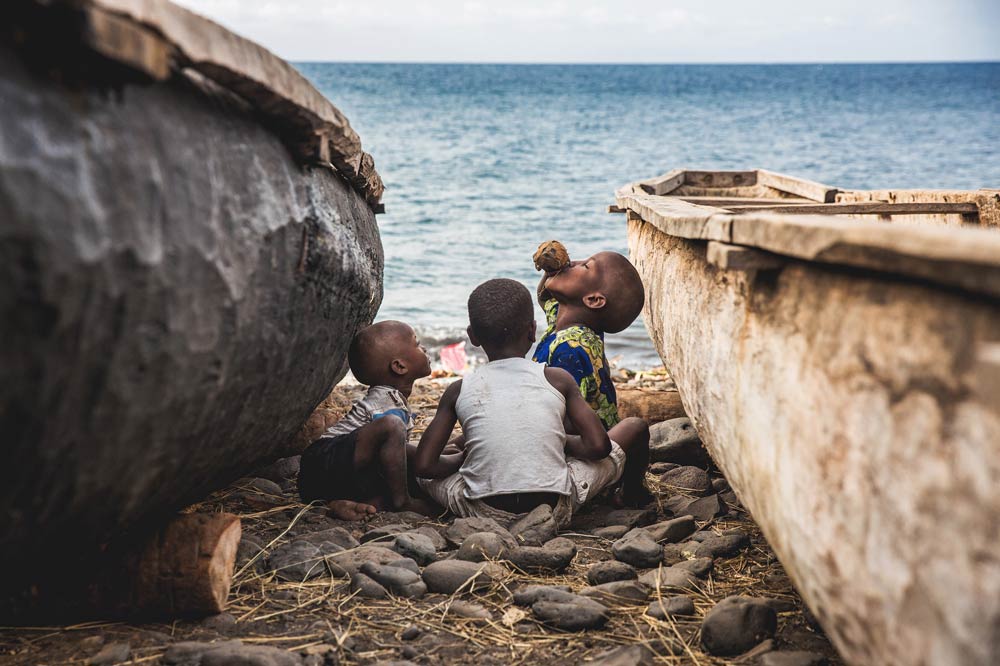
x=963, y=257
x=157, y=40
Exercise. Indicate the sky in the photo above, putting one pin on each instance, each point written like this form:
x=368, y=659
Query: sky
x=598, y=31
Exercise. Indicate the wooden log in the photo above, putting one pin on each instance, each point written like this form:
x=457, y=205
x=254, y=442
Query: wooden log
x=651, y=405
x=720, y=178
x=183, y=568
x=798, y=186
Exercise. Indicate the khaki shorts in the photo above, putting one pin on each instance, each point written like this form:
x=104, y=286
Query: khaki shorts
x=587, y=479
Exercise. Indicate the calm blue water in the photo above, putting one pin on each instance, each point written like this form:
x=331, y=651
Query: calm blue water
x=483, y=162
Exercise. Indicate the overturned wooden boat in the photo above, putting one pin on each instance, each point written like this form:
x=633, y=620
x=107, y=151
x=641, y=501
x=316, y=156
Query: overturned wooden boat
x=839, y=353
x=189, y=243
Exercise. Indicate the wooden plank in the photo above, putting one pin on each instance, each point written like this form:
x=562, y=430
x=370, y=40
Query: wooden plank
x=965, y=257
x=720, y=178
x=276, y=90
x=798, y=186
x=866, y=208
x=664, y=184
x=739, y=258
x=987, y=200
x=725, y=202
x=678, y=218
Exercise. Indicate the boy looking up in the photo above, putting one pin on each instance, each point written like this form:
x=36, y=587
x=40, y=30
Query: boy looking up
x=359, y=464
x=582, y=301
x=512, y=411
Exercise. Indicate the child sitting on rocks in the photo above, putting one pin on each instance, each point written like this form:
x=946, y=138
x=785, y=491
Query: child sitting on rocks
x=359, y=464
x=511, y=410
x=582, y=301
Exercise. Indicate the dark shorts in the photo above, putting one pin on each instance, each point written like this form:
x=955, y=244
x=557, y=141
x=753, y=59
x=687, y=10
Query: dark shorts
x=327, y=472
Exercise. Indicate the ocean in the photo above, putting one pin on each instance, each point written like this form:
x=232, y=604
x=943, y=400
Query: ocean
x=483, y=162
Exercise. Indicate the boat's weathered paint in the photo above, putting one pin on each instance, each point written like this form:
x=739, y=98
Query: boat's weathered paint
x=855, y=413
x=178, y=293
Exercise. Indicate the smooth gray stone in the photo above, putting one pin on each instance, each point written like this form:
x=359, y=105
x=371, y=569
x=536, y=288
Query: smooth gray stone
x=736, y=624
x=624, y=655
x=656, y=469
x=297, y=562
x=723, y=545
x=384, y=535
x=638, y=549
x=610, y=571
x=706, y=508
x=405, y=563
x=417, y=547
x=554, y=556
x=670, y=579
x=676, y=441
x=336, y=535
x=529, y=594
x=794, y=658
x=618, y=593
x=281, y=470
x=460, y=530
x=180, y=278
x=670, y=606
x=440, y=543
x=603, y=516
x=448, y=576
x=468, y=609
x=247, y=550
x=259, y=485
x=228, y=653
x=672, y=554
x=536, y=527
x=576, y=615
x=397, y=580
x=410, y=633
x=672, y=531
x=366, y=586
x=700, y=566
x=348, y=562
x=222, y=623
x=482, y=546
x=720, y=485
x=687, y=479
x=113, y=653
x=611, y=532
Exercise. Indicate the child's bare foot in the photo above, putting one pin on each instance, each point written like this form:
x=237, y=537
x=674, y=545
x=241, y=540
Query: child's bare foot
x=349, y=510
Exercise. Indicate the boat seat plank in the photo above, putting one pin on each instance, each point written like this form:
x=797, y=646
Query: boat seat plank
x=740, y=258
x=865, y=208
x=798, y=186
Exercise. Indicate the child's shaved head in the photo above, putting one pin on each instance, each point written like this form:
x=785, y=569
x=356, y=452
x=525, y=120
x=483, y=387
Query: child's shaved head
x=623, y=290
x=500, y=310
x=374, y=349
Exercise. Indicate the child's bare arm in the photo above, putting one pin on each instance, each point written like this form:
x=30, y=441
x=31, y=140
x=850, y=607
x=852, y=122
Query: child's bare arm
x=594, y=442
x=428, y=461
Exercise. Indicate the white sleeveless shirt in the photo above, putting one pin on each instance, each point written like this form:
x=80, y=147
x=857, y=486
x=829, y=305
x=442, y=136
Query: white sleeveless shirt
x=512, y=418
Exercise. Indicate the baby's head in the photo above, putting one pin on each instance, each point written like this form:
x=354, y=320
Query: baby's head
x=502, y=317
x=388, y=353
x=606, y=284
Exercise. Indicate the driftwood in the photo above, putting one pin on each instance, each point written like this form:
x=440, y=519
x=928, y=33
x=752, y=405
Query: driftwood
x=652, y=405
x=184, y=569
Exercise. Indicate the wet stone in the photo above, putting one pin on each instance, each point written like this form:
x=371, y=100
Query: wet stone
x=113, y=653
x=397, y=580
x=670, y=606
x=677, y=441
x=638, y=549
x=609, y=572
x=448, y=576
x=417, y=547
x=618, y=593
x=535, y=528
x=736, y=624
x=672, y=531
x=794, y=658
x=482, y=546
x=462, y=528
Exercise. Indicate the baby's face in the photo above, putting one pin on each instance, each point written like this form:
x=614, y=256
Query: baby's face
x=577, y=279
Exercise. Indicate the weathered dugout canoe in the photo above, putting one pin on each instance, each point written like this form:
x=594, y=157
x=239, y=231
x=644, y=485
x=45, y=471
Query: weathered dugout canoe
x=188, y=244
x=843, y=369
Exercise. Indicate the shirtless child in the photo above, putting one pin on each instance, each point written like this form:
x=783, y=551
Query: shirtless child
x=582, y=301
x=512, y=410
x=359, y=464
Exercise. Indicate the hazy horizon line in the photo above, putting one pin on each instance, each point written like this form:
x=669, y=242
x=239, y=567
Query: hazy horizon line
x=647, y=64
